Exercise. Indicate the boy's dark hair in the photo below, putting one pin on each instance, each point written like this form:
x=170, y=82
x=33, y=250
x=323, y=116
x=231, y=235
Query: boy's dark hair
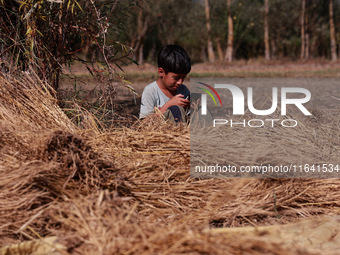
x=173, y=58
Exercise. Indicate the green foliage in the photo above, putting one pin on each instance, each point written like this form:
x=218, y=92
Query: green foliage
x=47, y=34
x=183, y=22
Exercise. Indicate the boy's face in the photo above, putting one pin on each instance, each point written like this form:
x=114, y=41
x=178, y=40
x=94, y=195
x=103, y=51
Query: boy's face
x=171, y=80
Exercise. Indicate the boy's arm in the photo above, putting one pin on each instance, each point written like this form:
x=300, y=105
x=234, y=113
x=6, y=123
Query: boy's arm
x=147, y=103
x=176, y=100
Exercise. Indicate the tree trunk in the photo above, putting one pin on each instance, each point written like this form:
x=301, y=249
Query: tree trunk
x=203, y=55
x=211, y=54
x=302, y=22
x=307, y=46
x=266, y=30
x=229, y=52
x=219, y=49
x=273, y=44
x=332, y=31
x=313, y=48
x=307, y=37
x=142, y=27
x=141, y=55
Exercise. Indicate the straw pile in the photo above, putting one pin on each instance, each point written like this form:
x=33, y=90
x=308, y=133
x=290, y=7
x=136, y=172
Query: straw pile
x=42, y=158
x=129, y=191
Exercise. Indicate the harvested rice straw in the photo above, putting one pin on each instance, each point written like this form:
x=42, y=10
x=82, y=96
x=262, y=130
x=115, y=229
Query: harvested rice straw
x=128, y=191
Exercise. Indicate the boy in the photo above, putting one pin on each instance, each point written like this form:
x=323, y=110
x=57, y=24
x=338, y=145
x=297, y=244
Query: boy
x=168, y=93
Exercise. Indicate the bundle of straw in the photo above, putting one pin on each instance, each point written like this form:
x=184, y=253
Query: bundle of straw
x=43, y=158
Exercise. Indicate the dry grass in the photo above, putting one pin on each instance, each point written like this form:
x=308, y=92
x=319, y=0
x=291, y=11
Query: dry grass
x=128, y=191
x=314, y=141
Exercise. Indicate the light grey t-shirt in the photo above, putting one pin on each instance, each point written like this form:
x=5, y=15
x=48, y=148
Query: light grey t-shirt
x=153, y=97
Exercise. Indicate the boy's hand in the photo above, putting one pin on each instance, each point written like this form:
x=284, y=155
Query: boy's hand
x=180, y=101
x=176, y=100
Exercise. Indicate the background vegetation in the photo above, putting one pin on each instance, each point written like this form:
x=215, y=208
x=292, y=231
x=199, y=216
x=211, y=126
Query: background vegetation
x=184, y=22
x=47, y=34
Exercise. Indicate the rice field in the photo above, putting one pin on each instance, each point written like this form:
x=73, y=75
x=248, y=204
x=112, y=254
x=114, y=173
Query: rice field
x=84, y=189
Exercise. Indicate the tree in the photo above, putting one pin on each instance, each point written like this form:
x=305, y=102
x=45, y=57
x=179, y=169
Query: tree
x=284, y=33
x=229, y=51
x=142, y=27
x=47, y=34
x=332, y=32
x=266, y=30
x=218, y=20
x=237, y=28
x=302, y=22
x=168, y=22
x=211, y=54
